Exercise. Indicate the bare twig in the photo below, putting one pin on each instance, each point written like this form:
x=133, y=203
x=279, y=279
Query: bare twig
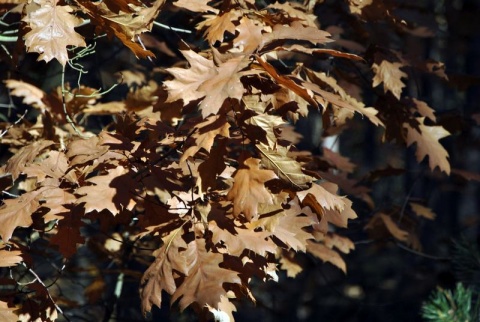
x=46, y=290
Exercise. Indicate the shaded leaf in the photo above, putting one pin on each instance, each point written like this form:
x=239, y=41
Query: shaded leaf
x=326, y=254
x=18, y=213
x=204, y=280
x=248, y=190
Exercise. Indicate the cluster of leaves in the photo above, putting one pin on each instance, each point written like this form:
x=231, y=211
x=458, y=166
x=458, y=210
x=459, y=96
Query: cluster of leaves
x=201, y=159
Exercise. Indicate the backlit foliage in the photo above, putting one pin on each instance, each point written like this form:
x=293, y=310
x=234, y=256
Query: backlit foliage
x=201, y=161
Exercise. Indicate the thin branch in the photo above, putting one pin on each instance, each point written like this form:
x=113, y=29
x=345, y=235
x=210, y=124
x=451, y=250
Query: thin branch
x=161, y=25
x=416, y=252
x=46, y=290
x=12, y=125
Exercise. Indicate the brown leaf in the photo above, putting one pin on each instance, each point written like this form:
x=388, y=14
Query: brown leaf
x=110, y=192
x=424, y=110
x=338, y=161
x=17, y=164
x=343, y=244
x=341, y=100
x=285, y=167
x=248, y=190
x=55, y=201
x=287, y=82
x=205, y=135
x=195, y=5
x=390, y=225
x=217, y=25
x=68, y=232
x=52, y=30
x=205, y=80
x=18, y=213
x=7, y=313
x=249, y=36
x=356, y=6
x=427, y=144
x=422, y=211
x=330, y=208
x=204, y=280
x=31, y=94
x=9, y=257
x=390, y=75
x=326, y=254
x=267, y=123
x=161, y=274
x=318, y=51
x=296, y=31
x=289, y=264
x=296, y=10
x=290, y=227
x=125, y=26
x=229, y=233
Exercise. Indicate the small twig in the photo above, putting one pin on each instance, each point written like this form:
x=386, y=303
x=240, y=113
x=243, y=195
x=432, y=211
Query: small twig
x=12, y=125
x=64, y=104
x=161, y=25
x=46, y=290
x=416, y=252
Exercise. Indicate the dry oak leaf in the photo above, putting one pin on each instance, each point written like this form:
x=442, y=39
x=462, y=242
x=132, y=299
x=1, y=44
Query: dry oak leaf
x=267, y=123
x=390, y=75
x=427, y=140
x=392, y=227
x=52, y=30
x=356, y=6
x=217, y=25
x=248, y=190
x=338, y=161
x=424, y=110
x=205, y=80
x=195, y=5
x=291, y=83
x=323, y=197
x=23, y=158
x=31, y=94
x=68, y=232
x=340, y=100
x=343, y=244
x=18, y=213
x=422, y=211
x=205, y=135
x=330, y=208
x=7, y=313
x=289, y=264
x=228, y=232
x=296, y=10
x=105, y=194
x=326, y=254
x=55, y=200
x=125, y=26
x=290, y=226
x=9, y=257
x=249, y=36
x=284, y=166
x=296, y=31
x=203, y=283
x=160, y=276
